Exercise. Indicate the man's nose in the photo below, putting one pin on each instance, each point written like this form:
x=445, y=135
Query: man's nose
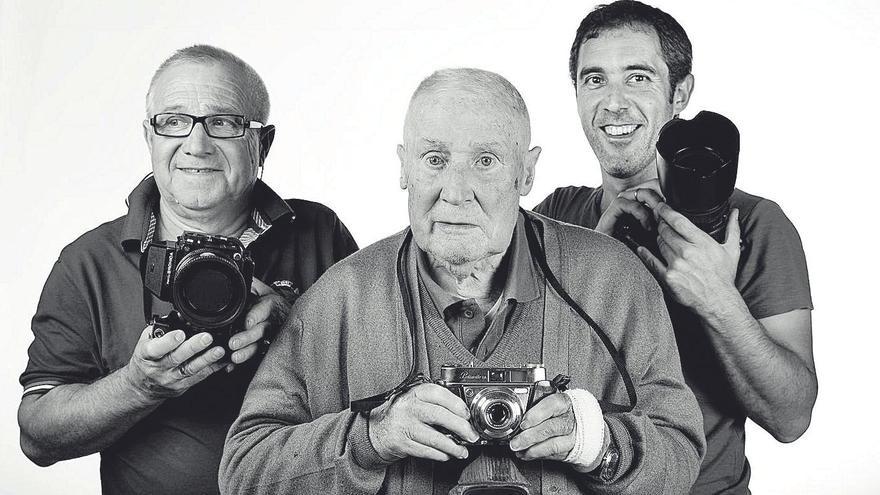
x=198, y=143
x=456, y=185
x=616, y=98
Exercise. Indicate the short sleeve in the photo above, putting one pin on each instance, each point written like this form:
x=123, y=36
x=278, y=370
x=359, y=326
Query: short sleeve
x=772, y=276
x=64, y=349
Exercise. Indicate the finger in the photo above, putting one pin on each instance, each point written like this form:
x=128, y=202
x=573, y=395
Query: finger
x=155, y=349
x=433, y=414
x=192, y=346
x=244, y=354
x=251, y=335
x=622, y=207
x=652, y=184
x=260, y=289
x=552, y=427
x=733, y=234
x=441, y=396
x=678, y=222
x=554, y=405
x=655, y=266
x=429, y=437
x=260, y=311
x=204, y=360
x=643, y=195
x=202, y=374
x=555, y=448
x=670, y=237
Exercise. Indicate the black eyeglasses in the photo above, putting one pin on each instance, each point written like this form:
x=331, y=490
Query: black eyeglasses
x=220, y=126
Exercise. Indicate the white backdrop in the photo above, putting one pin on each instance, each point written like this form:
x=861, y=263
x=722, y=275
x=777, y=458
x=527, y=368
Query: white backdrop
x=798, y=78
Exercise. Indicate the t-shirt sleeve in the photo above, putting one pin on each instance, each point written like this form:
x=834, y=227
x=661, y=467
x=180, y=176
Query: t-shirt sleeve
x=772, y=276
x=549, y=206
x=64, y=349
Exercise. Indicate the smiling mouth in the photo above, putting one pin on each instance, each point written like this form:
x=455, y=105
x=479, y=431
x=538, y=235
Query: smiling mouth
x=197, y=170
x=620, y=130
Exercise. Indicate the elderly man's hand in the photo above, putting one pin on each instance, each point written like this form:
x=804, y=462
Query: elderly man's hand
x=263, y=320
x=404, y=427
x=699, y=272
x=167, y=366
x=636, y=202
x=548, y=430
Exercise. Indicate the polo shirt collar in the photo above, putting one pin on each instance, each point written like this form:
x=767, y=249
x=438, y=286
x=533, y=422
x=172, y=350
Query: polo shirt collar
x=140, y=221
x=521, y=284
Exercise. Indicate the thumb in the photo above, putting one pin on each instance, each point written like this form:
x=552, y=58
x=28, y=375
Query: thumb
x=733, y=233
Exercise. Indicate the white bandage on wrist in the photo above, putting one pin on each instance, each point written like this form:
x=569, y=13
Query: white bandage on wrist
x=589, y=430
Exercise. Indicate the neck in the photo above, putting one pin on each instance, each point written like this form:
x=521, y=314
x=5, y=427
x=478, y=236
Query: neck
x=480, y=280
x=612, y=186
x=174, y=220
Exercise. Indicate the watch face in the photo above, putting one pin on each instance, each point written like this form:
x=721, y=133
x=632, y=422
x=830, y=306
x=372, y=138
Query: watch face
x=610, y=461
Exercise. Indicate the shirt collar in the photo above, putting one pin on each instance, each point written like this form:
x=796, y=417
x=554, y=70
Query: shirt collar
x=139, y=225
x=521, y=283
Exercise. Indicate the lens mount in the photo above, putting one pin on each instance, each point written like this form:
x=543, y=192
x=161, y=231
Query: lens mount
x=496, y=412
x=209, y=290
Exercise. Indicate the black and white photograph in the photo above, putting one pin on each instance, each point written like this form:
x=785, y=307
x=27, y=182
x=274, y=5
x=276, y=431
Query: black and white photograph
x=460, y=247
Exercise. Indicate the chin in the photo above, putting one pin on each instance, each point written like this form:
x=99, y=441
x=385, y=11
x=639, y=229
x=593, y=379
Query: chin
x=458, y=253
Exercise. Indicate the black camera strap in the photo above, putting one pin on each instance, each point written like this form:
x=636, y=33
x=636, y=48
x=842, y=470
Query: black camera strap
x=364, y=406
x=540, y=256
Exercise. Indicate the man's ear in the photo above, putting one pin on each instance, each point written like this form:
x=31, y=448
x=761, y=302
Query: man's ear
x=401, y=155
x=267, y=137
x=148, y=136
x=682, y=94
x=527, y=175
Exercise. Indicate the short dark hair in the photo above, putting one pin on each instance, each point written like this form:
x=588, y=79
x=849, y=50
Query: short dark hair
x=674, y=43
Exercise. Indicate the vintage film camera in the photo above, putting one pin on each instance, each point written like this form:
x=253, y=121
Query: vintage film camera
x=696, y=164
x=498, y=397
x=207, y=278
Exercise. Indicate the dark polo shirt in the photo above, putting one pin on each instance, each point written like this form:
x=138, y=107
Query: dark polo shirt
x=772, y=279
x=91, y=314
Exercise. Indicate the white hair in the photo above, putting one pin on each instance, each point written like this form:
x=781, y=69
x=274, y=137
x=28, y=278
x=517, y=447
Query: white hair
x=256, y=97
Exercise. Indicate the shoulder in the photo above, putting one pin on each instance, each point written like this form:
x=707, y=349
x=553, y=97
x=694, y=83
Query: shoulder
x=96, y=243
x=591, y=245
x=360, y=273
x=758, y=213
x=311, y=212
x=564, y=197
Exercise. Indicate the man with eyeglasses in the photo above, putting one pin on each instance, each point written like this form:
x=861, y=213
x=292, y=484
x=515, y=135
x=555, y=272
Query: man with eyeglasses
x=158, y=409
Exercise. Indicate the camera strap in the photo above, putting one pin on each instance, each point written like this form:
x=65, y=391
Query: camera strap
x=540, y=256
x=364, y=406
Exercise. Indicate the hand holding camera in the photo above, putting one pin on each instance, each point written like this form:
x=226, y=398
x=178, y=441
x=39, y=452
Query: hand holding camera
x=408, y=425
x=547, y=430
x=167, y=366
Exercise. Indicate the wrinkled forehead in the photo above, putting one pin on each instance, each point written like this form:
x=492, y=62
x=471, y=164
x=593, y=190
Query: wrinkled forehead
x=465, y=116
x=198, y=88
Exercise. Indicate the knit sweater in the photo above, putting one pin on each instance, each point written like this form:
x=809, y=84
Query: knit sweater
x=347, y=338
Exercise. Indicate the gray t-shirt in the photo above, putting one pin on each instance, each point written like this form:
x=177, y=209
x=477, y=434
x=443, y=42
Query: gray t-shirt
x=772, y=278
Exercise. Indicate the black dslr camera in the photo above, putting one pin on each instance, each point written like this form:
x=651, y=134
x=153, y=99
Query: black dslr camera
x=208, y=280
x=498, y=397
x=696, y=164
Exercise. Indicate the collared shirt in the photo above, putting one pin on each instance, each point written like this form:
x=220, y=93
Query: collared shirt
x=91, y=315
x=478, y=330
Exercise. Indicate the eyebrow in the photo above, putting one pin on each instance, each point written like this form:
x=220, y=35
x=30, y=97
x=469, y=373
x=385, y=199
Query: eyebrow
x=646, y=68
x=425, y=142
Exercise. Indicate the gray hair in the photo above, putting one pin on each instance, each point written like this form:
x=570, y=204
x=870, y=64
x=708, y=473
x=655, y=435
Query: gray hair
x=256, y=96
x=482, y=84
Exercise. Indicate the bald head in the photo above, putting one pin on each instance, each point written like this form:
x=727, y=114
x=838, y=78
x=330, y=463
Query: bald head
x=471, y=89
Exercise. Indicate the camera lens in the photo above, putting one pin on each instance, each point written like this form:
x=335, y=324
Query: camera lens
x=209, y=290
x=498, y=414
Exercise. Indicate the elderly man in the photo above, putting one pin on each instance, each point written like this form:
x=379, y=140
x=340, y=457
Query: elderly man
x=157, y=408
x=467, y=288
x=742, y=318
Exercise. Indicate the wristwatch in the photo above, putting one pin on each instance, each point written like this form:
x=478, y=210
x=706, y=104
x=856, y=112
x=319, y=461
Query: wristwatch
x=610, y=461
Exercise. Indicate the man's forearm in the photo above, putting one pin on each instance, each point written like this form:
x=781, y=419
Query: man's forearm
x=74, y=420
x=776, y=388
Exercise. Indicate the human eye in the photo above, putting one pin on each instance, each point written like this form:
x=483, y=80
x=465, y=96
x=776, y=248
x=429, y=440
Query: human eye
x=434, y=159
x=592, y=81
x=173, y=121
x=224, y=121
x=486, y=161
x=639, y=79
